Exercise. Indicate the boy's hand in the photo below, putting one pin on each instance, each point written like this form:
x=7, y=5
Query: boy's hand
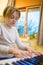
x=20, y=53
x=31, y=50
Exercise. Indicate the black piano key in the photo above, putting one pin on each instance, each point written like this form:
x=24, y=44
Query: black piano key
x=15, y=63
x=27, y=63
x=40, y=58
x=22, y=63
x=27, y=60
x=35, y=60
x=7, y=64
x=32, y=60
x=35, y=63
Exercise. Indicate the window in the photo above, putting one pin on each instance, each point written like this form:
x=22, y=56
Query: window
x=33, y=21
x=20, y=23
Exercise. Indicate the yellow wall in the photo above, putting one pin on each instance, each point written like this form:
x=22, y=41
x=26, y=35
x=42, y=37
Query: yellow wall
x=25, y=3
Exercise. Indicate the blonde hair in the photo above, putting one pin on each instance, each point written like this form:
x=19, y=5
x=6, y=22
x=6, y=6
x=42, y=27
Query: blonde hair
x=9, y=11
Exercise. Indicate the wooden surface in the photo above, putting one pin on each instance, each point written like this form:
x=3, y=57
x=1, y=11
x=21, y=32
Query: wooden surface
x=25, y=3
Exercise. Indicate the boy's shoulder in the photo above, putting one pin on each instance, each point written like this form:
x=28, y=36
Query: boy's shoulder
x=0, y=24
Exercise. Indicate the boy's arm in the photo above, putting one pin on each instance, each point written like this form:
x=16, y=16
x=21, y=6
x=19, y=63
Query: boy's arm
x=18, y=41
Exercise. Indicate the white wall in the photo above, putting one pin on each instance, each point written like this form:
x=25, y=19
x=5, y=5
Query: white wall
x=3, y=4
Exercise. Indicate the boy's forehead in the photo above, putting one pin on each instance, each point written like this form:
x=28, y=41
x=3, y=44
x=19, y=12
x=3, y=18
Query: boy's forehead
x=16, y=14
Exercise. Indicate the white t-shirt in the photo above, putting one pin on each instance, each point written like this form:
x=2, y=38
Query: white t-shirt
x=8, y=37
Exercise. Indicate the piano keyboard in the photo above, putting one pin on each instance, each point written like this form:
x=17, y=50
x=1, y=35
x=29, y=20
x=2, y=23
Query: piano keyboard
x=37, y=60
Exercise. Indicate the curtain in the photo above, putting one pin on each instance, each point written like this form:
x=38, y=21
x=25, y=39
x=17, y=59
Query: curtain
x=11, y=2
x=40, y=41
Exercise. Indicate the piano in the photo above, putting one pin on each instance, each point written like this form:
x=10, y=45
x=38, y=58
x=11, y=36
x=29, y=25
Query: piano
x=36, y=60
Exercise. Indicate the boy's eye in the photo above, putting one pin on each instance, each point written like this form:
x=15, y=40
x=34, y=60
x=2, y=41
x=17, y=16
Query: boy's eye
x=12, y=17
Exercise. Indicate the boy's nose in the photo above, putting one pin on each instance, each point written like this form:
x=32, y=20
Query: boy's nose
x=15, y=20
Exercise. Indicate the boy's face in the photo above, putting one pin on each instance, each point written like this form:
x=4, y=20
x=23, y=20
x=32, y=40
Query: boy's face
x=11, y=21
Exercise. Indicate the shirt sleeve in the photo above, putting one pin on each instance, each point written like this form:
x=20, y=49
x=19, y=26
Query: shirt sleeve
x=4, y=49
x=0, y=30
x=18, y=41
